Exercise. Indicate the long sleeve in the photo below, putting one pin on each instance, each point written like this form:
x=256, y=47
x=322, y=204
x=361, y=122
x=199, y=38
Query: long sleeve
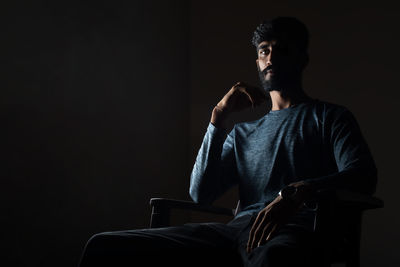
x=354, y=162
x=214, y=171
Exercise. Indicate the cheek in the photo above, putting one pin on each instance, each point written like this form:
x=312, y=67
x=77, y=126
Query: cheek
x=262, y=65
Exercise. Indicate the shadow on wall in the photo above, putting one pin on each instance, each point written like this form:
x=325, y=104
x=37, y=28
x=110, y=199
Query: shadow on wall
x=94, y=101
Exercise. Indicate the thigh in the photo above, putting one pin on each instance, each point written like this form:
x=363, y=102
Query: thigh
x=189, y=244
x=292, y=246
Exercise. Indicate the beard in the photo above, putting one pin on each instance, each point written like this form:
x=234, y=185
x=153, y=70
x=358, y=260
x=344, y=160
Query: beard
x=277, y=82
x=272, y=84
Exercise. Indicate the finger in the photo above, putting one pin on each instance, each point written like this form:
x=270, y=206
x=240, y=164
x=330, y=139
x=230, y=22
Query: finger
x=259, y=231
x=244, y=100
x=253, y=244
x=253, y=229
x=265, y=233
x=249, y=97
x=251, y=234
x=272, y=232
x=257, y=94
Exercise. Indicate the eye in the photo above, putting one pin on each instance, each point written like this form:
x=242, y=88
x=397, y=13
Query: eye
x=264, y=52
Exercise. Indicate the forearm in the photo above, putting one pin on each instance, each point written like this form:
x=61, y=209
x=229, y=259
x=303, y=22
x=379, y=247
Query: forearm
x=358, y=179
x=218, y=118
x=207, y=179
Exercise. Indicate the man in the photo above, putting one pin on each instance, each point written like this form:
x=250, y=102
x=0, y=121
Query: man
x=278, y=161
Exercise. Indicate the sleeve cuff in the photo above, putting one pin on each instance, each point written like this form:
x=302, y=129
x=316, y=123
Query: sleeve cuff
x=216, y=131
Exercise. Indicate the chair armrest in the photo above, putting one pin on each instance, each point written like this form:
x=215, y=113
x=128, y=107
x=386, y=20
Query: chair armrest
x=161, y=208
x=338, y=222
x=188, y=205
x=350, y=199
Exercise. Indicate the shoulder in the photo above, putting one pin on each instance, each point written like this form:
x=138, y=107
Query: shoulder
x=329, y=106
x=329, y=110
x=336, y=116
x=248, y=127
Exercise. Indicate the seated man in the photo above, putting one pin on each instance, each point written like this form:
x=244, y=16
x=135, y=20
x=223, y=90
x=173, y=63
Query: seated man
x=301, y=145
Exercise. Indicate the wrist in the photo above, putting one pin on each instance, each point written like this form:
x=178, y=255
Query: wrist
x=298, y=192
x=219, y=117
x=288, y=192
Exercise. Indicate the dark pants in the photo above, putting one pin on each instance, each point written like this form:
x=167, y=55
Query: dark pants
x=202, y=244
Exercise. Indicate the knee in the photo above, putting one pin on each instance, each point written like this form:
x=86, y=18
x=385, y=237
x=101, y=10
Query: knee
x=118, y=242
x=97, y=241
x=108, y=249
x=274, y=256
x=93, y=250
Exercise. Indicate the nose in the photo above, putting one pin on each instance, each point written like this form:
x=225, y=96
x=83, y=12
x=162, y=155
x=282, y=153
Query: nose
x=270, y=57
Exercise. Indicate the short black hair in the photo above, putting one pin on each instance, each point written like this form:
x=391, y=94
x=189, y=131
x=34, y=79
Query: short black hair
x=279, y=28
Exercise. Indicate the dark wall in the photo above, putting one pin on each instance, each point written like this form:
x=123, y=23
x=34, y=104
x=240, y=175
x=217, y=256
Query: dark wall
x=353, y=62
x=104, y=105
x=94, y=121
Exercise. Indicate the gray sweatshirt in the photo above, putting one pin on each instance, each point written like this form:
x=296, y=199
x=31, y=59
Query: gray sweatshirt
x=314, y=141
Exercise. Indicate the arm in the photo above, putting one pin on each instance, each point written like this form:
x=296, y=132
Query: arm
x=355, y=164
x=215, y=168
x=356, y=172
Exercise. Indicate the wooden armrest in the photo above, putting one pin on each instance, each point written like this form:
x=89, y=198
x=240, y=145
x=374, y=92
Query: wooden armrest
x=166, y=203
x=161, y=208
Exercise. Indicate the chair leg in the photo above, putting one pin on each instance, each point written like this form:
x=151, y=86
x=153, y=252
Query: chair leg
x=353, y=256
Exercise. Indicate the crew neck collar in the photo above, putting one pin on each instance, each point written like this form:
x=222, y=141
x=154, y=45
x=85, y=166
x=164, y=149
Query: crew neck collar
x=292, y=107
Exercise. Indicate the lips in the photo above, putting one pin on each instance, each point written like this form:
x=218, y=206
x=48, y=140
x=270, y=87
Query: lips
x=269, y=70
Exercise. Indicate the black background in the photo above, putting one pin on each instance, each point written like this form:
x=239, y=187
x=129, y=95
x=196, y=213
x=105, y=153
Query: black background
x=104, y=105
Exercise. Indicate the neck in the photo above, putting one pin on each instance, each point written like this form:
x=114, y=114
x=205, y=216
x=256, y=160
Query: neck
x=284, y=100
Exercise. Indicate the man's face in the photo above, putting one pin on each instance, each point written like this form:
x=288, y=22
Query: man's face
x=279, y=65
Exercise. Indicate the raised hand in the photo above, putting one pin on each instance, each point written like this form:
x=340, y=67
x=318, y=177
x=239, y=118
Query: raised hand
x=241, y=96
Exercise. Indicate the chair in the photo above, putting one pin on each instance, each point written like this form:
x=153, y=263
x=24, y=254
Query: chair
x=338, y=221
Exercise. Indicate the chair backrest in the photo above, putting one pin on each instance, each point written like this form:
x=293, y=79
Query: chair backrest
x=338, y=225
